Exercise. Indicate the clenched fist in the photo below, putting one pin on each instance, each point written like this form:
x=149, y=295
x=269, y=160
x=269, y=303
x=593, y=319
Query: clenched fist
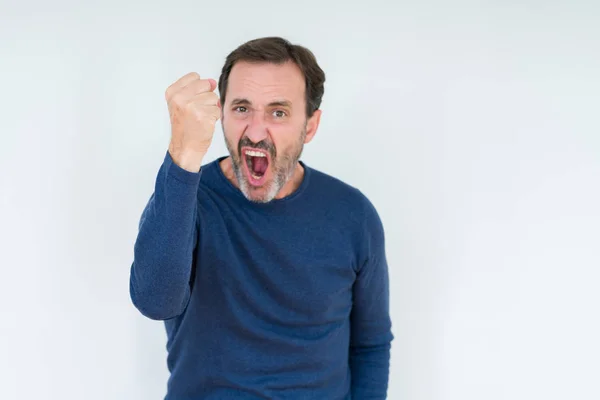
x=194, y=109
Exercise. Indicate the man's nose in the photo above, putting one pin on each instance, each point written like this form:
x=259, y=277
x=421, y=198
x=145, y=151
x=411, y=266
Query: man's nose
x=257, y=128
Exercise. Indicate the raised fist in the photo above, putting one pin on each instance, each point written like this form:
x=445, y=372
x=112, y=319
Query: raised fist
x=194, y=109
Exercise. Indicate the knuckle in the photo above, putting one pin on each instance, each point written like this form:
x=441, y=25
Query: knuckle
x=169, y=93
x=202, y=86
x=175, y=98
x=190, y=108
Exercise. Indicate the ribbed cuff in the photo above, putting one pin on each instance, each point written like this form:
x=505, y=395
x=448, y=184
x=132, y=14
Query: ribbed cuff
x=182, y=175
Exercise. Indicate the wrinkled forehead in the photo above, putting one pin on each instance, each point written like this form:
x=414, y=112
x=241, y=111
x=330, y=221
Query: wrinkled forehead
x=264, y=83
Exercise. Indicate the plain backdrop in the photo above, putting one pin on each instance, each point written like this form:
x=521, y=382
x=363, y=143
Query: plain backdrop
x=472, y=126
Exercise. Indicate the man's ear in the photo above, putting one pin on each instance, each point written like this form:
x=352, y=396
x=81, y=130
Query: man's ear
x=312, y=125
x=220, y=105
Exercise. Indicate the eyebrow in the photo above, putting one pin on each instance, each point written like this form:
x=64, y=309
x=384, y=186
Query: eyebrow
x=278, y=103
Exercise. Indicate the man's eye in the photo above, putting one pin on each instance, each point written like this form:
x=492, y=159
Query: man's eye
x=279, y=113
x=241, y=109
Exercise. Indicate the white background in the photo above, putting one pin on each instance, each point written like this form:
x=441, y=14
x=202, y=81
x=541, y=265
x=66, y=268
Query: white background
x=472, y=126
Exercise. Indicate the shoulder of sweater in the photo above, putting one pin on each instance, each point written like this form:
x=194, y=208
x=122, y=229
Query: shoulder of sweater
x=358, y=213
x=335, y=189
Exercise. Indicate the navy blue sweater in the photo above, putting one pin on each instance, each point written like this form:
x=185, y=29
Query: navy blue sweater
x=282, y=300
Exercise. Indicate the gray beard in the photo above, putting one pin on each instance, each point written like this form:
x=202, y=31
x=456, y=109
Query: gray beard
x=283, y=167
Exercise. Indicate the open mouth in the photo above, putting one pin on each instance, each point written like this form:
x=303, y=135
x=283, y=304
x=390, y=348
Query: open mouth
x=256, y=164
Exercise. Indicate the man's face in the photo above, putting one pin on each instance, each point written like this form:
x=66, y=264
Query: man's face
x=265, y=126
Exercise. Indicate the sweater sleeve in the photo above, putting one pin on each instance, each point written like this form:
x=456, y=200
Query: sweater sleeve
x=371, y=333
x=161, y=271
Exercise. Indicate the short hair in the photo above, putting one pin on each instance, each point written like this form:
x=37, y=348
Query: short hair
x=278, y=50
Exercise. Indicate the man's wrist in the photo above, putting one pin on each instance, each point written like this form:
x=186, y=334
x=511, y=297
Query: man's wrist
x=188, y=160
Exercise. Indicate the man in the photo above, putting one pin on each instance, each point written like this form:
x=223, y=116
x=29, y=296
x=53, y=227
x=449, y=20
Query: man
x=270, y=276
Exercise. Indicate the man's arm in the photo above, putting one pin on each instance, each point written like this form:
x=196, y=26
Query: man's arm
x=160, y=274
x=371, y=333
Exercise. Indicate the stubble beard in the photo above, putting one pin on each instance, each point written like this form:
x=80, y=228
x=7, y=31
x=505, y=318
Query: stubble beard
x=282, y=166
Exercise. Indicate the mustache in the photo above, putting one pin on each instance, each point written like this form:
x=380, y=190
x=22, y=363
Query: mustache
x=262, y=145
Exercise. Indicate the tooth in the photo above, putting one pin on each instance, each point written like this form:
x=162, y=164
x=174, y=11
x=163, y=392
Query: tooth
x=255, y=153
